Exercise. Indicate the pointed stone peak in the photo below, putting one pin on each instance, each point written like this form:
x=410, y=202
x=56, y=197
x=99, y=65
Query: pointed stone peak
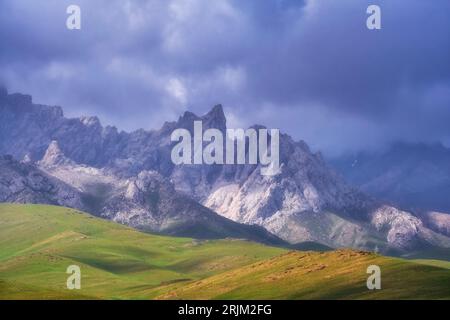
x=188, y=116
x=186, y=121
x=216, y=113
x=54, y=156
x=217, y=110
x=215, y=118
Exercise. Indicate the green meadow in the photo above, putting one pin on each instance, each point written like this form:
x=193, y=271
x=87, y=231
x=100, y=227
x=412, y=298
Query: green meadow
x=38, y=243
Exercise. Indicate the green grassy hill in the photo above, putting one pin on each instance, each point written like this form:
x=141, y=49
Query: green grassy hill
x=332, y=275
x=38, y=243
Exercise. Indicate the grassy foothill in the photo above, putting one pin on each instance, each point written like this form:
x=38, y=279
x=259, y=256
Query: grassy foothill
x=38, y=243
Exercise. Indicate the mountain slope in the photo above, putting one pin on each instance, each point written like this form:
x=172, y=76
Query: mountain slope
x=24, y=183
x=38, y=243
x=339, y=274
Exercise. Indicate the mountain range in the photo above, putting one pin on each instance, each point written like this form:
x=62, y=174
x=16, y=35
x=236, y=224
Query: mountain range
x=129, y=177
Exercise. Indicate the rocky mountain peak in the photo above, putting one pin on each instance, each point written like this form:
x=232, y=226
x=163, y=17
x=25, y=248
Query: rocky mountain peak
x=188, y=116
x=54, y=156
x=185, y=121
x=215, y=118
x=216, y=113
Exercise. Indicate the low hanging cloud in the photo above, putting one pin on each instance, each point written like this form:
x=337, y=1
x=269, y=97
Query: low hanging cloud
x=311, y=68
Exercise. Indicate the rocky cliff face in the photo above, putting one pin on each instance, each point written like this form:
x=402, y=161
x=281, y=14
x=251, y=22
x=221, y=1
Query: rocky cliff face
x=24, y=183
x=129, y=177
x=150, y=202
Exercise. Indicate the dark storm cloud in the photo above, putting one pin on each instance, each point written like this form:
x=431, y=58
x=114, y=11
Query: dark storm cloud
x=311, y=68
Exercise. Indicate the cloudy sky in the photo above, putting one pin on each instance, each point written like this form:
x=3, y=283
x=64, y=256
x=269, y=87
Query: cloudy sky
x=310, y=68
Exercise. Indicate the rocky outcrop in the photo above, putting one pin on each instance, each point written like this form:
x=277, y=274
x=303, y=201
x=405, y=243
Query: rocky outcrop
x=54, y=157
x=151, y=203
x=24, y=183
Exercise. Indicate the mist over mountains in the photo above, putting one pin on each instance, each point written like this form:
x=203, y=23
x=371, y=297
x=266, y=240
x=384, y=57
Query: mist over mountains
x=416, y=176
x=129, y=177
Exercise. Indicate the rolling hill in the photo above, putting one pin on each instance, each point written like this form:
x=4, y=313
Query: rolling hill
x=38, y=243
